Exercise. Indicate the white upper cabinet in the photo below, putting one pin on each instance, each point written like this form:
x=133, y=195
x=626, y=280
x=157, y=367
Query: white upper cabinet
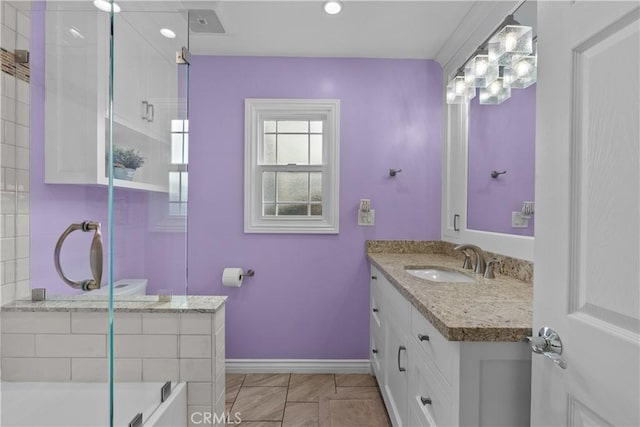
x=77, y=100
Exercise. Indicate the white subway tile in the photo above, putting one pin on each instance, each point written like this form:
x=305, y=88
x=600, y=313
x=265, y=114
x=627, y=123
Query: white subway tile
x=127, y=323
x=195, y=370
x=35, y=322
x=36, y=369
x=8, y=108
x=23, y=24
x=127, y=346
x=8, y=38
x=9, y=271
x=9, y=16
x=219, y=362
x=10, y=134
x=195, y=323
x=220, y=341
x=23, y=289
x=127, y=370
x=89, y=370
x=8, y=156
x=18, y=345
x=160, y=323
x=9, y=180
x=23, y=91
x=54, y=345
x=195, y=346
x=160, y=370
x=200, y=393
x=9, y=86
x=7, y=249
x=23, y=203
x=7, y=293
x=98, y=323
x=22, y=110
x=8, y=202
x=22, y=225
x=21, y=136
x=219, y=385
x=160, y=346
x=21, y=180
x=219, y=319
x=22, y=269
x=22, y=247
x=22, y=158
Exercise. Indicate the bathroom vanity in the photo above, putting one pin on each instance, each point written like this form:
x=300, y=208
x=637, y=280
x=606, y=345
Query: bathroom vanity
x=445, y=353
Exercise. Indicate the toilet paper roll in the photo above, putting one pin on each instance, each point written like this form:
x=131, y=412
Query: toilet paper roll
x=232, y=277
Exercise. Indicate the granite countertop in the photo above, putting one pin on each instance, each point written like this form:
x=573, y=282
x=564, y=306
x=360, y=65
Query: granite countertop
x=132, y=304
x=499, y=309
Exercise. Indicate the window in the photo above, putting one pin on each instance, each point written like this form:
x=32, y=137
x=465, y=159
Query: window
x=291, y=166
x=178, y=175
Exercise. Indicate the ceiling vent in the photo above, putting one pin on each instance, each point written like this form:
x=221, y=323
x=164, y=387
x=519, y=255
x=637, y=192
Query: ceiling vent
x=204, y=21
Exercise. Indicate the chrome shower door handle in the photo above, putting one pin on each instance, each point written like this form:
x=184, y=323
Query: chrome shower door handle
x=95, y=256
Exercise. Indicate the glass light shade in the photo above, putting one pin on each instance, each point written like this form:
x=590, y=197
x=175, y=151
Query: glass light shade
x=496, y=93
x=458, y=92
x=510, y=41
x=479, y=72
x=523, y=73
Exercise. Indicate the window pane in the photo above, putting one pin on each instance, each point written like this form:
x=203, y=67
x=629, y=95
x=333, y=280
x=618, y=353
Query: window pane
x=176, y=125
x=316, y=149
x=184, y=186
x=175, y=209
x=284, y=210
x=185, y=152
x=269, y=154
x=176, y=148
x=269, y=126
x=293, y=126
x=315, y=127
x=268, y=209
x=174, y=186
x=293, y=186
x=269, y=187
x=316, y=210
x=316, y=186
x=293, y=149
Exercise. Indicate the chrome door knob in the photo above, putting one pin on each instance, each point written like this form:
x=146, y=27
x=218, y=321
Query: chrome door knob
x=549, y=344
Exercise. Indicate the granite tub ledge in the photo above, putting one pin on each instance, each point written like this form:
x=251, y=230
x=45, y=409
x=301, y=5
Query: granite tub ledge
x=133, y=304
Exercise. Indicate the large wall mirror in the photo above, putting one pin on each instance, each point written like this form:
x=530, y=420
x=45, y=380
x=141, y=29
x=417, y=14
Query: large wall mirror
x=501, y=156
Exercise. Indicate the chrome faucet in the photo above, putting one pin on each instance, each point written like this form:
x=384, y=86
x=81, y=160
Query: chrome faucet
x=480, y=259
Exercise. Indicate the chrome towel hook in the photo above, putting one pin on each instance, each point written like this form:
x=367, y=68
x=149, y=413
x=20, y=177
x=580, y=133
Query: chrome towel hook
x=95, y=256
x=495, y=174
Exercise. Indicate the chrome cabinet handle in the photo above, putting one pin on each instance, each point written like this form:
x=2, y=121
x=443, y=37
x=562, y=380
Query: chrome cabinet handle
x=456, y=226
x=548, y=344
x=422, y=337
x=144, y=111
x=153, y=113
x=425, y=400
x=400, y=368
x=95, y=256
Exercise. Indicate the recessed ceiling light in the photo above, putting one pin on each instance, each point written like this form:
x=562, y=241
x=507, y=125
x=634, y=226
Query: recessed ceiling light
x=105, y=6
x=168, y=33
x=332, y=7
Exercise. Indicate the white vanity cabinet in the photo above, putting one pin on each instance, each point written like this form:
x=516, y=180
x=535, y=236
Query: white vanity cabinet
x=427, y=380
x=77, y=100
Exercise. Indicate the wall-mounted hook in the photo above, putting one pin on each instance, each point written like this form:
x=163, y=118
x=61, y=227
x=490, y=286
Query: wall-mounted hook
x=393, y=172
x=495, y=174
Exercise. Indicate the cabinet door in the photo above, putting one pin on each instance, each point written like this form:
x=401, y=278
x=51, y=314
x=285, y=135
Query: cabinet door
x=161, y=93
x=396, y=373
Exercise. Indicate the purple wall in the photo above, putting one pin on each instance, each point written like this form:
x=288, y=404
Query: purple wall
x=310, y=295
x=501, y=137
x=54, y=207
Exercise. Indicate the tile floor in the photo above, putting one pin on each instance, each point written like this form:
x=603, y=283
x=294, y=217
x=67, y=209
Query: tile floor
x=301, y=400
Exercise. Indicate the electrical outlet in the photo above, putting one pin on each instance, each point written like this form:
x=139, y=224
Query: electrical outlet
x=365, y=205
x=519, y=220
x=367, y=218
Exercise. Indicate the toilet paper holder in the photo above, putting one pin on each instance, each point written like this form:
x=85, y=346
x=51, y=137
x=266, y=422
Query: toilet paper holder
x=249, y=273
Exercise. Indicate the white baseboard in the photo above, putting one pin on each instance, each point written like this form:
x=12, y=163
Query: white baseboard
x=298, y=366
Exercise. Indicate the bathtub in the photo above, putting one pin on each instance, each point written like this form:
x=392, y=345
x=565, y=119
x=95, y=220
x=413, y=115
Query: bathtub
x=87, y=404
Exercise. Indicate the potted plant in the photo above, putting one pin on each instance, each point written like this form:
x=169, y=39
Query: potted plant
x=125, y=162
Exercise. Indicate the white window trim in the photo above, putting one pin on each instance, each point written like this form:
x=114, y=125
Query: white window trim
x=258, y=110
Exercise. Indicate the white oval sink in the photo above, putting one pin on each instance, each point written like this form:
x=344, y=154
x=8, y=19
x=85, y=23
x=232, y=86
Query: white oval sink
x=440, y=275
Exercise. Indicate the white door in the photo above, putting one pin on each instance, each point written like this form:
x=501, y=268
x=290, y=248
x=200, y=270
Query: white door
x=588, y=209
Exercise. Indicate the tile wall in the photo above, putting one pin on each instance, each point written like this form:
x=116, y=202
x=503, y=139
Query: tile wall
x=14, y=153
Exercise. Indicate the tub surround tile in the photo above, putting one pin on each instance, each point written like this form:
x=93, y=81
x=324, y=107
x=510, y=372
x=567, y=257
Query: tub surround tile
x=196, y=370
x=59, y=345
x=195, y=324
x=199, y=393
x=18, y=345
x=266, y=380
x=17, y=323
x=36, y=369
x=160, y=370
x=159, y=323
x=195, y=346
x=499, y=309
x=260, y=403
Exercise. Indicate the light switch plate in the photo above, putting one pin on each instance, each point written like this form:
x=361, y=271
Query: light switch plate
x=518, y=220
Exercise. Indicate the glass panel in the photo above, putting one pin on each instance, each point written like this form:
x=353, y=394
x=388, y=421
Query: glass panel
x=315, y=127
x=315, y=186
x=315, y=151
x=269, y=187
x=184, y=186
x=269, y=209
x=293, y=186
x=177, y=125
x=177, y=148
x=174, y=186
x=316, y=210
x=269, y=154
x=285, y=210
x=269, y=126
x=293, y=149
x=298, y=126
